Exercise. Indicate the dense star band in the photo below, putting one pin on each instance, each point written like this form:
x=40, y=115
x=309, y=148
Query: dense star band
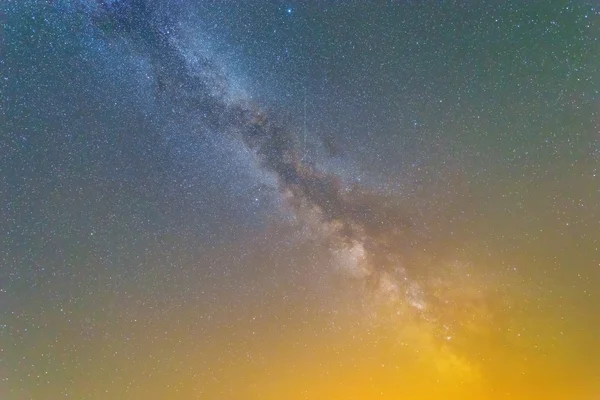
x=302, y=200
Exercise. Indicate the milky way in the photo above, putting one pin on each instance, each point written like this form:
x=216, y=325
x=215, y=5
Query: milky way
x=315, y=200
x=191, y=87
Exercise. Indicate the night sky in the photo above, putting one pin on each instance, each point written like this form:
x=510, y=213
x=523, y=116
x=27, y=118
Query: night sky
x=299, y=200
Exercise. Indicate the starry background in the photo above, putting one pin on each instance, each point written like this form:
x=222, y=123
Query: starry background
x=300, y=200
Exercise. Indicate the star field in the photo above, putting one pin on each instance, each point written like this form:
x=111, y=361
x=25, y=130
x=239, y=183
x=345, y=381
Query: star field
x=300, y=200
